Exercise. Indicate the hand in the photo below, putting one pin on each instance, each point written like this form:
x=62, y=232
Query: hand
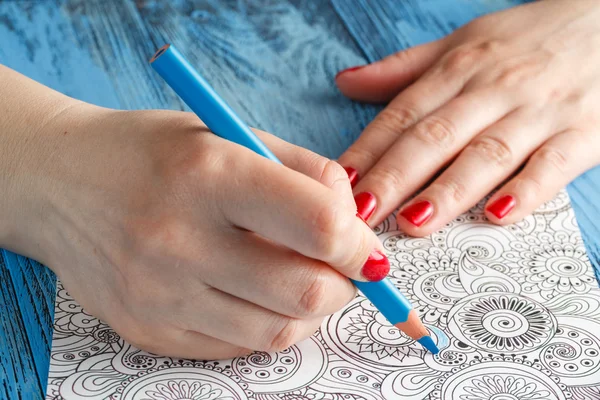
x=511, y=90
x=189, y=245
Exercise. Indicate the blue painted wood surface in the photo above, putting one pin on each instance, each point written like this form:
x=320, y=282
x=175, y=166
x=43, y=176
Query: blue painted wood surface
x=272, y=60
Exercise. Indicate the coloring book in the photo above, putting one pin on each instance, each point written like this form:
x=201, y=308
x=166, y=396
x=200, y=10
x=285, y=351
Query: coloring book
x=515, y=310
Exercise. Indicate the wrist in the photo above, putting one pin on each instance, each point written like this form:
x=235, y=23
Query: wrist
x=29, y=146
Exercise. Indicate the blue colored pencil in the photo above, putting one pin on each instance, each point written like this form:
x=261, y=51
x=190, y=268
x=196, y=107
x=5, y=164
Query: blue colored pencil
x=221, y=120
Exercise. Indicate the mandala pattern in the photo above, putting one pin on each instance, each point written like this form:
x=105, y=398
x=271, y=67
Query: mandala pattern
x=182, y=390
x=502, y=323
x=70, y=318
x=491, y=379
x=515, y=310
x=429, y=278
x=551, y=264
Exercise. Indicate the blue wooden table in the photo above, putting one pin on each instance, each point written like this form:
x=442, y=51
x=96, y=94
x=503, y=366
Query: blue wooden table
x=273, y=60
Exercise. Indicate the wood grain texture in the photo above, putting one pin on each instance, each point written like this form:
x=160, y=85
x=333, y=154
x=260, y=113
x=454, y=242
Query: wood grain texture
x=382, y=27
x=272, y=60
x=18, y=368
x=34, y=287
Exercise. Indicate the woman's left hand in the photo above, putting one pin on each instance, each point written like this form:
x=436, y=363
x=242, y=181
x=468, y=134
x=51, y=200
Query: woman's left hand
x=518, y=88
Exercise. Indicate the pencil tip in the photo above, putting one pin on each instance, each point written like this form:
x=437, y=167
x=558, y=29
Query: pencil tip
x=427, y=342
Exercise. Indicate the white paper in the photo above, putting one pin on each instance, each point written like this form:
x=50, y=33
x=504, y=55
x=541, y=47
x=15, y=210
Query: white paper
x=516, y=308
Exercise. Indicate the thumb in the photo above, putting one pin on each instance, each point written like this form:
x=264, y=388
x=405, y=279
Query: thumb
x=382, y=80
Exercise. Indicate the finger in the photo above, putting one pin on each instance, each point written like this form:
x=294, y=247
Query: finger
x=171, y=341
x=559, y=161
x=297, y=212
x=487, y=160
x=241, y=323
x=438, y=86
x=384, y=79
x=194, y=345
x=277, y=278
x=309, y=163
x=428, y=146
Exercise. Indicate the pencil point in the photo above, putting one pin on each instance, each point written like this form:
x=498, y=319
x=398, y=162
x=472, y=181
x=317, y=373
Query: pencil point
x=427, y=342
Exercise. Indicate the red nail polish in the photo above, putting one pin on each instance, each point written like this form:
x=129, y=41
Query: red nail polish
x=377, y=266
x=352, y=175
x=348, y=70
x=501, y=207
x=418, y=213
x=365, y=205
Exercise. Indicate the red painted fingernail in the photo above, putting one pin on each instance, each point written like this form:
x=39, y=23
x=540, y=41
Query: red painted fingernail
x=377, y=266
x=352, y=175
x=348, y=70
x=501, y=207
x=366, y=204
x=418, y=213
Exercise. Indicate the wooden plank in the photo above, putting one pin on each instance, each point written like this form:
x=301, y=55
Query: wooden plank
x=38, y=40
x=585, y=192
x=273, y=61
x=34, y=291
x=112, y=34
x=382, y=27
x=18, y=377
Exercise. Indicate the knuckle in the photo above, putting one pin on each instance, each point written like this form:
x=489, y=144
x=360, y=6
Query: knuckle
x=554, y=157
x=312, y=300
x=464, y=58
x=460, y=59
x=284, y=336
x=330, y=226
x=397, y=118
x=512, y=75
x=148, y=345
x=490, y=47
x=492, y=148
x=331, y=172
x=208, y=163
x=361, y=154
x=437, y=131
x=136, y=334
x=515, y=74
x=200, y=159
x=389, y=179
x=451, y=189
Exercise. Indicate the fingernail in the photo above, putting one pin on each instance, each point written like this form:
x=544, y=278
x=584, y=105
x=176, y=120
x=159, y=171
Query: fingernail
x=377, y=266
x=365, y=205
x=352, y=175
x=418, y=213
x=501, y=207
x=348, y=70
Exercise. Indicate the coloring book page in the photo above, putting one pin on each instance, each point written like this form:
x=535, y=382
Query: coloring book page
x=515, y=310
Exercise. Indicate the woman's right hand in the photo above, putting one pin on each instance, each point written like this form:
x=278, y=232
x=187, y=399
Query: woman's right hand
x=189, y=245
